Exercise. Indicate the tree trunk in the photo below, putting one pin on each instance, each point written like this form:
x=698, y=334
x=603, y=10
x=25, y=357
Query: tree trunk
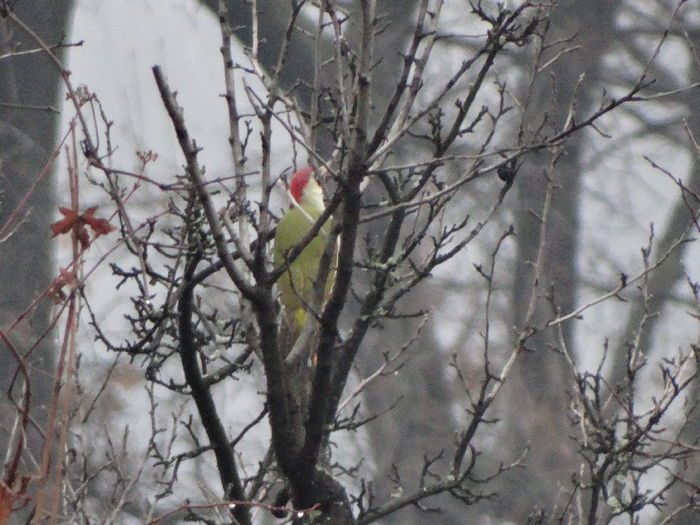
x=537, y=385
x=29, y=84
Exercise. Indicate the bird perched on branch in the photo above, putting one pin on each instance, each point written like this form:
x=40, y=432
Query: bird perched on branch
x=296, y=284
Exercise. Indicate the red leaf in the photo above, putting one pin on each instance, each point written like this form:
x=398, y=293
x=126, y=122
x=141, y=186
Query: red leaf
x=99, y=226
x=70, y=218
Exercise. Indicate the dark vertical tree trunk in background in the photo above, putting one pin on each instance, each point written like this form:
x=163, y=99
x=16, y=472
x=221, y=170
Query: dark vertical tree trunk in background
x=27, y=138
x=537, y=385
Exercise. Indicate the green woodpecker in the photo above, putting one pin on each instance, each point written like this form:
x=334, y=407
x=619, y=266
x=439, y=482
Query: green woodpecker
x=296, y=284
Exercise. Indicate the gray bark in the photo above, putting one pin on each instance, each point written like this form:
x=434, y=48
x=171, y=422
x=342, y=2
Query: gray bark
x=538, y=385
x=27, y=138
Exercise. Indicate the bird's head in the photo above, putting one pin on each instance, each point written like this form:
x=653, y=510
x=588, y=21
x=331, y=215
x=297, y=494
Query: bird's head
x=306, y=191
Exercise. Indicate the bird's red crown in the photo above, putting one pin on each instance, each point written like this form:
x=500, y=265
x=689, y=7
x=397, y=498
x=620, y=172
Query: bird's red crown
x=299, y=181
